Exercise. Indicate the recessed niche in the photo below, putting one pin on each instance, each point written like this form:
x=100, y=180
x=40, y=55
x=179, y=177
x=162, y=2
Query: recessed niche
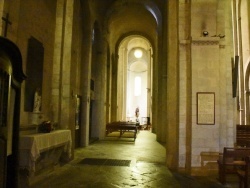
x=34, y=71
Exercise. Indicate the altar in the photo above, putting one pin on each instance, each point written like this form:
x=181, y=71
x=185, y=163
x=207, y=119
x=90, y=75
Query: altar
x=36, y=151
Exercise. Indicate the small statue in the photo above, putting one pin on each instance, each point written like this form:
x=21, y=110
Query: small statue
x=37, y=101
x=137, y=114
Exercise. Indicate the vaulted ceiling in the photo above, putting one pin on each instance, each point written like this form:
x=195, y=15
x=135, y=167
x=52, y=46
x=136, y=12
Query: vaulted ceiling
x=124, y=17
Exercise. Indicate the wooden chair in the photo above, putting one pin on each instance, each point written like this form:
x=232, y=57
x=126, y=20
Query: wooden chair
x=244, y=174
x=231, y=160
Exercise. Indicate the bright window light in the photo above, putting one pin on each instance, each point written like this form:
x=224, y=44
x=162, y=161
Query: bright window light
x=138, y=53
x=137, y=86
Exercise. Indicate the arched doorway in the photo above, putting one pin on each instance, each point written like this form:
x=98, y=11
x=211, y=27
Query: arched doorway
x=134, y=79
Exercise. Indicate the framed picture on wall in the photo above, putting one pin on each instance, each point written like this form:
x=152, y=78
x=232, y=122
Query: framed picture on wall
x=205, y=108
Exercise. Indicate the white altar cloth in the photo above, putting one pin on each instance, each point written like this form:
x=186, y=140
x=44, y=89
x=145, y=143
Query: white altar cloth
x=32, y=145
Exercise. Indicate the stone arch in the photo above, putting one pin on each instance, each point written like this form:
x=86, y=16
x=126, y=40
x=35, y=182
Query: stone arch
x=123, y=57
x=134, y=33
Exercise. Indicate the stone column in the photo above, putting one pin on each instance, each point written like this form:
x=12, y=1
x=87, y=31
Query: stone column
x=160, y=123
x=108, y=86
x=85, y=73
x=185, y=129
x=120, y=84
x=114, y=87
x=228, y=109
x=154, y=90
x=172, y=94
x=149, y=82
x=124, y=91
x=241, y=67
x=99, y=110
x=66, y=94
x=61, y=94
x=55, y=90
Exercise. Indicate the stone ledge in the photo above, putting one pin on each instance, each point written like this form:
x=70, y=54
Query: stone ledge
x=199, y=171
x=206, y=41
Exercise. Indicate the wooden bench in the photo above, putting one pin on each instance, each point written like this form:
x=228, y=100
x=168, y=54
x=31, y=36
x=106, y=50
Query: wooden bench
x=244, y=174
x=122, y=127
x=231, y=159
x=243, y=135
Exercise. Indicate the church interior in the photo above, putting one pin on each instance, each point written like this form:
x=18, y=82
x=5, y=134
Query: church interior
x=178, y=69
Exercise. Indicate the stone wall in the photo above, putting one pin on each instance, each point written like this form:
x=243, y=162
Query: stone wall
x=36, y=19
x=206, y=60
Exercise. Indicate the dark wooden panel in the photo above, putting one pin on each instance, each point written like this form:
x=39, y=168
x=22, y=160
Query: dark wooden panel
x=11, y=77
x=4, y=89
x=3, y=154
x=34, y=71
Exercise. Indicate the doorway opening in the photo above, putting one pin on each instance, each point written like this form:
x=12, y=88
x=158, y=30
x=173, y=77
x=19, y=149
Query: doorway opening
x=135, y=80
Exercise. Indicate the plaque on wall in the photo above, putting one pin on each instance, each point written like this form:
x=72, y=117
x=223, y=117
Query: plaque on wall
x=205, y=108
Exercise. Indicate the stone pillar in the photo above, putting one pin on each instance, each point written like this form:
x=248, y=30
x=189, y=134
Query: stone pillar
x=172, y=94
x=160, y=123
x=61, y=94
x=114, y=87
x=229, y=110
x=120, y=84
x=86, y=76
x=185, y=128
x=236, y=13
x=99, y=110
x=125, y=73
x=66, y=94
x=149, y=82
x=154, y=91
x=108, y=86
x=55, y=90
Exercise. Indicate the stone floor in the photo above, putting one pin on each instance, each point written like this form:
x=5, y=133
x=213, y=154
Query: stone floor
x=146, y=168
